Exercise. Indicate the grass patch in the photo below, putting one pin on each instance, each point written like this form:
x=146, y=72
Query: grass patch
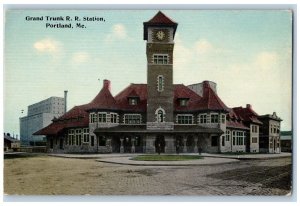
x=166, y=157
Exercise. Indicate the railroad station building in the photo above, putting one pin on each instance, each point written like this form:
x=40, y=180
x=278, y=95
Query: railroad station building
x=158, y=116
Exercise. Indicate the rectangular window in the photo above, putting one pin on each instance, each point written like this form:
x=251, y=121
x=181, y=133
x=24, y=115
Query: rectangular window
x=223, y=140
x=227, y=135
x=78, y=135
x=214, y=118
x=71, y=136
x=102, y=117
x=185, y=119
x=160, y=59
x=239, y=138
x=86, y=137
x=160, y=83
x=254, y=139
x=214, y=141
x=92, y=140
x=202, y=118
x=93, y=117
x=223, y=118
x=233, y=137
x=113, y=118
x=132, y=119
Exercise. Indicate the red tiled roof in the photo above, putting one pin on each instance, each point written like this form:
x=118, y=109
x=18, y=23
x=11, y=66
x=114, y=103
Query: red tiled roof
x=76, y=117
x=247, y=114
x=160, y=19
x=133, y=90
x=235, y=124
x=104, y=99
x=211, y=99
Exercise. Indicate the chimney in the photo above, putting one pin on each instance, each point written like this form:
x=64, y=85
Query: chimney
x=248, y=106
x=65, y=98
x=106, y=84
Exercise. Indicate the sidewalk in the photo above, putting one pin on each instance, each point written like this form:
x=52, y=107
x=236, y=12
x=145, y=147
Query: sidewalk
x=248, y=156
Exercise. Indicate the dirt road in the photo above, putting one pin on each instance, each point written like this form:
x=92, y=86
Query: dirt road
x=45, y=175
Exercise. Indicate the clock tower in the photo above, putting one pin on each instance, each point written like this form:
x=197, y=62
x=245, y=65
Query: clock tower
x=159, y=33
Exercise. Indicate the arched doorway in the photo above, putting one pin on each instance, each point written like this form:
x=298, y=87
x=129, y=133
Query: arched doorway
x=127, y=144
x=160, y=144
x=179, y=142
x=138, y=144
x=190, y=144
x=115, y=144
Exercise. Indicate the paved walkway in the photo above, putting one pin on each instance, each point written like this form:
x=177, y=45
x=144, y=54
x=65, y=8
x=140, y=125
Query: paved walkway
x=249, y=156
x=209, y=159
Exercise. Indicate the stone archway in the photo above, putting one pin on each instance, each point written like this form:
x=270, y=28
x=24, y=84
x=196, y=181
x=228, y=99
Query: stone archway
x=160, y=144
x=190, y=144
x=179, y=142
x=127, y=144
x=115, y=144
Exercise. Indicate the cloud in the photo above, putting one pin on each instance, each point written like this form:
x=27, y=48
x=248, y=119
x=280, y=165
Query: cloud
x=203, y=46
x=118, y=32
x=80, y=57
x=47, y=45
x=266, y=60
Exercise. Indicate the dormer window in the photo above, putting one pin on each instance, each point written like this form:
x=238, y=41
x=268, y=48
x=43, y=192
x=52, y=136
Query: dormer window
x=133, y=101
x=183, y=102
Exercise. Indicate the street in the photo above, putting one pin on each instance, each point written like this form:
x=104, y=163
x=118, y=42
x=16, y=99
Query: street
x=45, y=175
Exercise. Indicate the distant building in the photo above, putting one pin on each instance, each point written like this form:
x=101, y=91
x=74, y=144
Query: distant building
x=10, y=143
x=40, y=115
x=286, y=141
x=269, y=141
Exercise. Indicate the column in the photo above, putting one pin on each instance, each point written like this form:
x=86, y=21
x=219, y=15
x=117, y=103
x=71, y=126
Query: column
x=196, y=144
x=184, y=145
x=150, y=147
x=121, y=146
x=132, y=145
x=108, y=144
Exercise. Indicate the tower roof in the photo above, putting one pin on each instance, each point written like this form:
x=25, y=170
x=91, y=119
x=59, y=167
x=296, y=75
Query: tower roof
x=159, y=20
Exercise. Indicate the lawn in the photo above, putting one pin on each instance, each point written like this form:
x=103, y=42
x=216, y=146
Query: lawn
x=166, y=157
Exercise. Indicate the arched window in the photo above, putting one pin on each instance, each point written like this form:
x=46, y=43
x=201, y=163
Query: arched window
x=160, y=83
x=160, y=115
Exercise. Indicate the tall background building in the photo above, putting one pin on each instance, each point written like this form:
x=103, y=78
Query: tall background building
x=40, y=115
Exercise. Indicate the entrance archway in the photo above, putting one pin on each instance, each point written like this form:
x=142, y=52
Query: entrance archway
x=179, y=141
x=115, y=144
x=190, y=144
x=138, y=144
x=160, y=144
x=127, y=144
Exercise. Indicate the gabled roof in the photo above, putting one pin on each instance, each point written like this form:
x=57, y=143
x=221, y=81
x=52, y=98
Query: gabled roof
x=247, y=114
x=76, y=117
x=133, y=90
x=236, y=125
x=159, y=20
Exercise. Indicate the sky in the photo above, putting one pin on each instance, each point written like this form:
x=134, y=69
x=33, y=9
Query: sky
x=248, y=53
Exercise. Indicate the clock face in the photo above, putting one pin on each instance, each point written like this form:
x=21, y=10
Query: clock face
x=160, y=35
